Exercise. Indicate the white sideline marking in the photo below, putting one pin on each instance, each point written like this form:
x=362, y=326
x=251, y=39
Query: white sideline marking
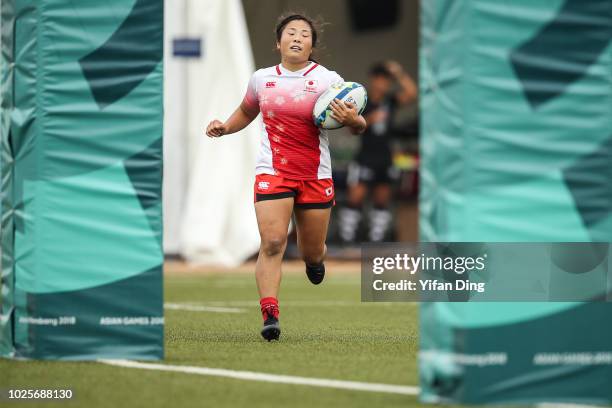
x=289, y=379
x=273, y=378
x=196, y=308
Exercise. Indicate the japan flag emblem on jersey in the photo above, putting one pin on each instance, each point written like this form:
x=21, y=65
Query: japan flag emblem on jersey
x=310, y=85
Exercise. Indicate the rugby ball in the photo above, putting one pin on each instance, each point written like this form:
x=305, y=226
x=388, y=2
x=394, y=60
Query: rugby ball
x=345, y=91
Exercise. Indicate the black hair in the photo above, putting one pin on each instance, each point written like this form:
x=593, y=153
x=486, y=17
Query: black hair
x=286, y=19
x=380, y=69
x=315, y=26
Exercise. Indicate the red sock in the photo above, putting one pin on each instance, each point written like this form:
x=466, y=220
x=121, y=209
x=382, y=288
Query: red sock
x=269, y=306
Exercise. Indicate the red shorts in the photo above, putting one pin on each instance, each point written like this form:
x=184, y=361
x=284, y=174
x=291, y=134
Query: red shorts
x=306, y=193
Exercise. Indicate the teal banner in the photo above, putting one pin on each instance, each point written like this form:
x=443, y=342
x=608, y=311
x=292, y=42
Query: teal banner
x=82, y=111
x=516, y=116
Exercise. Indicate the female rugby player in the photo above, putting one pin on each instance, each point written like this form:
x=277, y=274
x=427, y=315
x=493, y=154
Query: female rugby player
x=293, y=172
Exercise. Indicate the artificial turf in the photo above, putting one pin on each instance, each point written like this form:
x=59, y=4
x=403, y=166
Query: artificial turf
x=326, y=333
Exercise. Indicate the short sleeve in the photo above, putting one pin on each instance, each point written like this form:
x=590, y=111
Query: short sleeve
x=334, y=78
x=250, y=98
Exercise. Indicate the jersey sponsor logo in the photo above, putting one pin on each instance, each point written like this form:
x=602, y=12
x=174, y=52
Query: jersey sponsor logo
x=271, y=84
x=311, y=85
x=329, y=191
x=263, y=185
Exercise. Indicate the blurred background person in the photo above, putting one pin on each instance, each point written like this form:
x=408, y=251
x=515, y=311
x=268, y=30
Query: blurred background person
x=372, y=173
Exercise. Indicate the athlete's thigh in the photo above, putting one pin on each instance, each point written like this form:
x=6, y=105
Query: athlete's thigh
x=381, y=194
x=273, y=216
x=312, y=226
x=357, y=193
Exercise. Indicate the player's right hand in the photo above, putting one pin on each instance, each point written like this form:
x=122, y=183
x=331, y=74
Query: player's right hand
x=216, y=128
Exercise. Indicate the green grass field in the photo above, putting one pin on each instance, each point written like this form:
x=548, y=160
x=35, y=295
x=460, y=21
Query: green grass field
x=327, y=333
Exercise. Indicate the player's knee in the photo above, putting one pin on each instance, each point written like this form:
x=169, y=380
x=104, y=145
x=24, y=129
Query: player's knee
x=313, y=255
x=273, y=245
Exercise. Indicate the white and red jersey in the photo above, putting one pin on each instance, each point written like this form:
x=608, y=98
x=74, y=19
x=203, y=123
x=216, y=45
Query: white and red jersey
x=292, y=146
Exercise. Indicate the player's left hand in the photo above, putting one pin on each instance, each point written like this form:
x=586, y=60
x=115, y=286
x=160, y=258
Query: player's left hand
x=344, y=112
